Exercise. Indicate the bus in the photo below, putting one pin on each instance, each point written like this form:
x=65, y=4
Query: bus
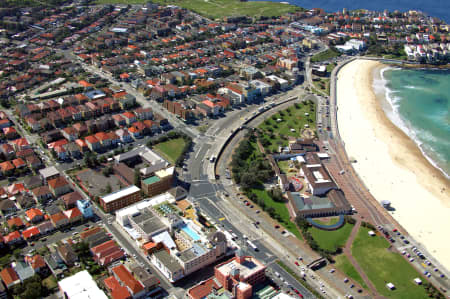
x=253, y=246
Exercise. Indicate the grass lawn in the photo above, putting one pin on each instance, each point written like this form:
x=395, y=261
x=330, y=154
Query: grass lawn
x=276, y=132
x=284, y=166
x=171, y=149
x=331, y=240
x=329, y=221
x=383, y=266
x=214, y=9
x=50, y=282
x=343, y=264
x=325, y=55
x=281, y=210
x=330, y=67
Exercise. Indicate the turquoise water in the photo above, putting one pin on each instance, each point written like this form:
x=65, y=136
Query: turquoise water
x=421, y=105
x=190, y=232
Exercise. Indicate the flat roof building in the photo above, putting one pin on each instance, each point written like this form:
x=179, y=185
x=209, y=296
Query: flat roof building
x=120, y=199
x=81, y=286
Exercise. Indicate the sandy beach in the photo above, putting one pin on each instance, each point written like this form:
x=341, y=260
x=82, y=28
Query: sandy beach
x=390, y=163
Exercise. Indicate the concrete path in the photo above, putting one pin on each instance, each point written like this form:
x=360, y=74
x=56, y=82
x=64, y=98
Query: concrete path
x=348, y=254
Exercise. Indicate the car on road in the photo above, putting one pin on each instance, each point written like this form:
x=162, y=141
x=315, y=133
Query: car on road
x=332, y=270
x=297, y=264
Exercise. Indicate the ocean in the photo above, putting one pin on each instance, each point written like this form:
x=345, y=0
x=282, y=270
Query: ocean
x=435, y=8
x=420, y=102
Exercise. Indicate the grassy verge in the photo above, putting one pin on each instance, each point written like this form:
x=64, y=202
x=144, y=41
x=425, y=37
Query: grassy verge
x=214, y=9
x=290, y=122
x=331, y=240
x=281, y=212
x=303, y=282
x=171, y=149
x=343, y=264
x=325, y=55
x=383, y=266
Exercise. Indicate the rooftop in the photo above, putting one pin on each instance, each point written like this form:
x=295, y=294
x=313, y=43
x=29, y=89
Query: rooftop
x=81, y=286
x=168, y=261
x=120, y=193
x=249, y=266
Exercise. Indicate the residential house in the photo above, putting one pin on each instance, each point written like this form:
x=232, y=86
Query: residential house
x=59, y=220
x=67, y=254
x=13, y=238
x=7, y=168
x=30, y=233
x=119, y=120
x=73, y=215
x=33, y=162
x=70, y=199
x=7, y=206
x=9, y=277
x=32, y=182
x=42, y=193
x=69, y=133
x=129, y=117
x=7, y=151
x=59, y=186
x=15, y=223
x=92, y=143
x=37, y=263
x=34, y=215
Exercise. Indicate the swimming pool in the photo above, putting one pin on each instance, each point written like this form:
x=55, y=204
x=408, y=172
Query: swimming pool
x=190, y=232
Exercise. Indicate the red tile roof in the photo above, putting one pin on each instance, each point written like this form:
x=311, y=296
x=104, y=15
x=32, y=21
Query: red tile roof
x=15, y=221
x=9, y=276
x=73, y=213
x=31, y=213
x=6, y=166
x=16, y=188
x=58, y=217
x=57, y=182
x=128, y=279
x=36, y=261
x=116, y=290
x=30, y=232
x=12, y=236
x=203, y=289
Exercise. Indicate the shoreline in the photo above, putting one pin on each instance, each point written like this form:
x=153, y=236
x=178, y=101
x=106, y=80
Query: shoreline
x=384, y=95
x=390, y=163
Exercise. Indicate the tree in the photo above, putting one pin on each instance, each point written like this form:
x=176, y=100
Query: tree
x=137, y=178
x=108, y=188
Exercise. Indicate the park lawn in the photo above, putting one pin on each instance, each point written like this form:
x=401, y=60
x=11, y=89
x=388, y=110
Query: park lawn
x=214, y=9
x=325, y=55
x=383, y=266
x=171, y=149
x=280, y=209
x=343, y=264
x=292, y=118
x=331, y=240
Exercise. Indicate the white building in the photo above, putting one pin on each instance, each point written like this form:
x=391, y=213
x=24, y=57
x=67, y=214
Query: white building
x=284, y=84
x=80, y=286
